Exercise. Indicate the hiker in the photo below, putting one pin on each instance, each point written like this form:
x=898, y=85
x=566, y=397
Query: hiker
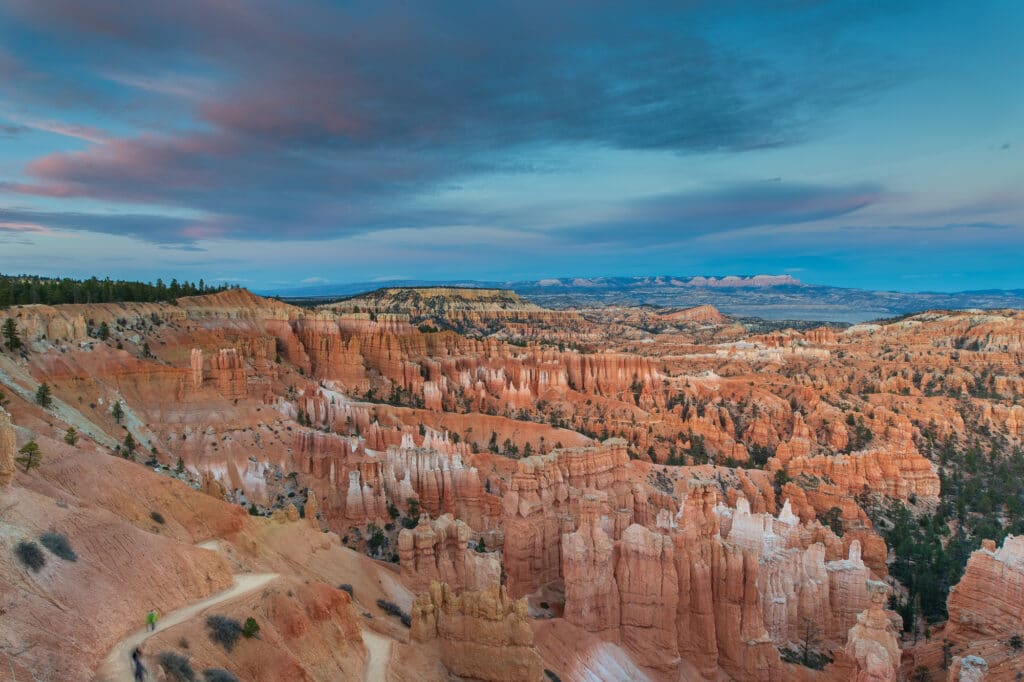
x=151, y=619
x=137, y=667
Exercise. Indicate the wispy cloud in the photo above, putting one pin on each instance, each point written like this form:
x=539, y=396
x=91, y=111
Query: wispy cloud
x=80, y=132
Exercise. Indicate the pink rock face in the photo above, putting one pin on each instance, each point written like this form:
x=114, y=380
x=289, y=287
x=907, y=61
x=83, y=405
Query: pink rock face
x=227, y=373
x=546, y=502
x=588, y=565
x=8, y=445
x=437, y=551
x=483, y=635
x=848, y=594
x=873, y=644
x=986, y=603
x=649, y=595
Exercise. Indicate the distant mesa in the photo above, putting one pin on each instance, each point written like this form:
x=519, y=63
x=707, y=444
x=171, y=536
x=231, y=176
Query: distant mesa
x=708, y=314
x=725, y=282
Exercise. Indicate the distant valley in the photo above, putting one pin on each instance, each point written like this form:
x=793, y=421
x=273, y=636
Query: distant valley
x=773, y=297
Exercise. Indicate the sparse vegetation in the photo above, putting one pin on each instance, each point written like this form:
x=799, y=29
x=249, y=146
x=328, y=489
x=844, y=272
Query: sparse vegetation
x=30, y=555
x=807, y=654
x=251, y=628
x=11, y=334
x=29, y=456
x=58, y=545
x=392, y=609
x=44, y=398
x=347, y=588
x=219, y=675
x=177, y=666
x=224, y=631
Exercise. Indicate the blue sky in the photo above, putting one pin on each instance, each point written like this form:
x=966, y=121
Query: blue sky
x=860, y=144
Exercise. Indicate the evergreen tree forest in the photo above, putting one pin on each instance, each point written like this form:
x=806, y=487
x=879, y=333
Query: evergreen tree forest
x=982, y=497
x=29, y=289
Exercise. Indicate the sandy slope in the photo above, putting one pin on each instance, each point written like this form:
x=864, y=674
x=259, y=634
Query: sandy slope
x=379, y=649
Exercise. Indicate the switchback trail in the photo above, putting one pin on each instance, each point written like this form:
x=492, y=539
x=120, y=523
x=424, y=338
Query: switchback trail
x=117, y=665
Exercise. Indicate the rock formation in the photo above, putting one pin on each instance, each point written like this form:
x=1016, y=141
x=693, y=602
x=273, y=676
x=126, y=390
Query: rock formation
x=8, y=446
x=984, y=615
x=591, y=456
x=484, y=634
x=873, y=644
x=968, y=669
x=588, y=565
x=437, y=551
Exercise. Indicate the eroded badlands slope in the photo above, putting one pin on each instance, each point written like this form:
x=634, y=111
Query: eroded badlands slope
x=612, y=493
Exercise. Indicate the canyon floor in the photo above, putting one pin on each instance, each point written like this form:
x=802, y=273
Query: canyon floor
x=443, y=484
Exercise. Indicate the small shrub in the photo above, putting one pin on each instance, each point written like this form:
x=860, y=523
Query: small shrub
x=392, y=609
x=224, y=631
x=1016, y=642
x=30, y=555
x=251, y=628
x=58, y=544
x=552, y=676
x=347, y=588
x=183, y=643
x=177, y=666
x=219, y=675
x=158, y=517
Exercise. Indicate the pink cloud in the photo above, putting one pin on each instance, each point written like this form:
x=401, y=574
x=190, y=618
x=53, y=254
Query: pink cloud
x=80, y=132
x=24, y=227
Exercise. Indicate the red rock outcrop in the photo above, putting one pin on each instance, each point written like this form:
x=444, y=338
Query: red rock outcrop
x=873, y=645
x=588, y=565
x=648, y=596
x=437, y=551
x=484, y=635
x=984, y=614
x=8, y=445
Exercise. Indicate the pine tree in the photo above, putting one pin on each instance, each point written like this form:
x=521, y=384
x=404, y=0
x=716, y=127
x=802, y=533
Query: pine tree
x=117, y=412
x=11, y=334
x=71, y=436
x=129, y=444
x=30, y=457
x=43, y=396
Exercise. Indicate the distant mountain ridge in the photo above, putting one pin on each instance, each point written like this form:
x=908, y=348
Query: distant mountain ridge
x=773, y=297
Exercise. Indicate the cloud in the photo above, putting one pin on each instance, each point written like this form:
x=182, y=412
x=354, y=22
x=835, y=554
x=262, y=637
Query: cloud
x=87, y=133
x=672, y=218
x=314, y=280
x=343, y=119
x=156, y=228
x=13, y=130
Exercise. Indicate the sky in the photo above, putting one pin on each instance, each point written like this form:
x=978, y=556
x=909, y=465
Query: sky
x=277, y=144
